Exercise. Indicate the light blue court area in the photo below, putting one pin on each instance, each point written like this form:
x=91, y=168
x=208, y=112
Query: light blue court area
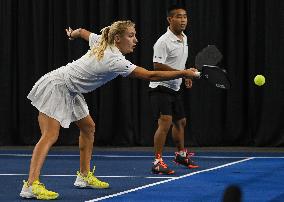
x=260, y=176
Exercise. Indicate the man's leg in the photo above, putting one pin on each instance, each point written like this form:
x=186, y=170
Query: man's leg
x=162, y=111
x=178, y=133
x=181, y=156
x=85, y=178
x=164, y=124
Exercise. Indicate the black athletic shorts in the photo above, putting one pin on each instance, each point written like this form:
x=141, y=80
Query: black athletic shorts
x=166, y=101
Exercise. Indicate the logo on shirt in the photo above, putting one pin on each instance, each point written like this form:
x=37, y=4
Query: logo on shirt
x=128, y=66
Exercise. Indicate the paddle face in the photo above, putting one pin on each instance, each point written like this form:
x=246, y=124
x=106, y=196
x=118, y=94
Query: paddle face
x=209, y=55
x=216, y=76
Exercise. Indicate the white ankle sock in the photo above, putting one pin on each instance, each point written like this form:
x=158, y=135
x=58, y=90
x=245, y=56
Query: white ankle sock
x=157, y=161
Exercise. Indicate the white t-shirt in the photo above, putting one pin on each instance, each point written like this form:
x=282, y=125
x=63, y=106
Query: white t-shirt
x=87, y=73
x=171, y=51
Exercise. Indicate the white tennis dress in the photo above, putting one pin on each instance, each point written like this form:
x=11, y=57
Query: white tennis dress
x=58, y=94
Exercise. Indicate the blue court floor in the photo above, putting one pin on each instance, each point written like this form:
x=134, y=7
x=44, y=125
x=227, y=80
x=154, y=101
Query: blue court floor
x=259, y=175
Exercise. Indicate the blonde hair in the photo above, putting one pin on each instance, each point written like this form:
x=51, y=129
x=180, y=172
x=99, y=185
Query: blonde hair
x=108, y=34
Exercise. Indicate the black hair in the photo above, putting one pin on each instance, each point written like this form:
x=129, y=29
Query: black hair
x=172, y=8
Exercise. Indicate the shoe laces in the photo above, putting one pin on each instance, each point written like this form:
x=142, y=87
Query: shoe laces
x=36, y=183
x=90, y=176
x=91, y=179
x=163, y=164
x=39, y=188
x=189, y=154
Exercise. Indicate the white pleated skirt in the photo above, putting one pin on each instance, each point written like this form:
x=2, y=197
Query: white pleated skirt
x=51, y=96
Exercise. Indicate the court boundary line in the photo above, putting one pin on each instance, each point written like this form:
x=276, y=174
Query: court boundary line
x=168, y=180
x=100, y=176
x=144, y=156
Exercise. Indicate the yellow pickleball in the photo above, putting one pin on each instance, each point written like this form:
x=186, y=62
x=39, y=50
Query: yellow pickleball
x=259, y=80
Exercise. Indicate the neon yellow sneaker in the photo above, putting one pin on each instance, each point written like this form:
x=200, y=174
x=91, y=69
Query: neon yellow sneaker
x=89, y=181
x=37, y=190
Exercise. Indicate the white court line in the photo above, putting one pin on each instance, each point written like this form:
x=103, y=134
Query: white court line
x=102, y=176
x=169, y=180
x=144, y=156
x=239, y=157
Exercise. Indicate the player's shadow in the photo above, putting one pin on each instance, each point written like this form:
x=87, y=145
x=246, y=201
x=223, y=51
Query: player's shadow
x=232, y=194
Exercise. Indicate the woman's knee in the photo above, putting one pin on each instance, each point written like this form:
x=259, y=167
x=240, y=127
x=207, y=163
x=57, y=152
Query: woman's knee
x=87, y=126
x=87, y=134
x=49, y=128
x=49, y=137
x=89, y=129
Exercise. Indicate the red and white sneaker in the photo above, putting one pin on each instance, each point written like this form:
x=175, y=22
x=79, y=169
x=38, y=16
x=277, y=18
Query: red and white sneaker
x=162, y=168
x=185, y=160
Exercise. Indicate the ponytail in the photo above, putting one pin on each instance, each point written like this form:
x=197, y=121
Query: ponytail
x=100, y=49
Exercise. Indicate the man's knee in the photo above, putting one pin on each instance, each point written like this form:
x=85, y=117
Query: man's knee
x=165, y=122
x=180, y=124
x=183, y=122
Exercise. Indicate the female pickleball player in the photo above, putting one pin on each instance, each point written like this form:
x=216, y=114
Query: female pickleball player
x=58, y=97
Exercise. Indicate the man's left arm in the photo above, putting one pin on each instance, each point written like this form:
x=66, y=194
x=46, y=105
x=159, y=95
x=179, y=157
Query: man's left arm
x=187, y=81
